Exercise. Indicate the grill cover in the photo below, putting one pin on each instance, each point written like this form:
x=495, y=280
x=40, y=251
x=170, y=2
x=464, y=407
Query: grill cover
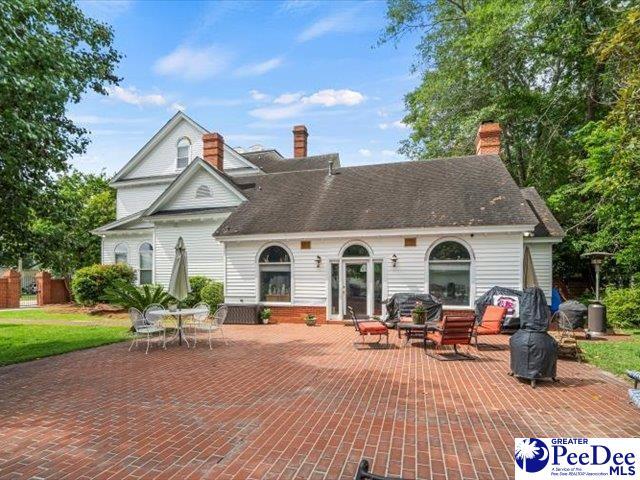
x=575, y=311
x=534, y=352
x=512, y=321
x=401, y=304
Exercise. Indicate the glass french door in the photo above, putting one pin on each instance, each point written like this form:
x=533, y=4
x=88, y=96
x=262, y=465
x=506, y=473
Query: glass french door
x=356, y=284
x=356, y=287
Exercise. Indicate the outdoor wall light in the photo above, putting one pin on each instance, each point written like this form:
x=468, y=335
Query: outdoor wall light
x=394, y=260
x=318, y=261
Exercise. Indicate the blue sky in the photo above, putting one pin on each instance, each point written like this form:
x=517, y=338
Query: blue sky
x=250, y=71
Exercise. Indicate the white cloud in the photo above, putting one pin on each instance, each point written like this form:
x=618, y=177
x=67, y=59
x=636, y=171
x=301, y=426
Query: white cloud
x=257, y=69
x=399, y=124
x=293, y=104
x=192, y=63
x=132, y=96
x=331, y=97
x=389, y=153
x=340, y=22
x=365, y=152
x=287, y=98
x=297, y=6
x=175, y=106
x=258, y=96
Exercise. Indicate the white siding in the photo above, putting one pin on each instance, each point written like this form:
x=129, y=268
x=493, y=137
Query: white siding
x=135, y=198
x=161, y=160
x=498, y=261
x=186, y=197
x=133, y=242
x=541, y=254
x=233, y=159
x=205, y=255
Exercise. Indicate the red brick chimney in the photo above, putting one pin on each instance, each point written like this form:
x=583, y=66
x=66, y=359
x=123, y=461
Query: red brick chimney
x=488, y=138
x=213, y=149
x=300, y=135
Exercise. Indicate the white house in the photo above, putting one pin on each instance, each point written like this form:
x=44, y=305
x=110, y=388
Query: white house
x=305, y=235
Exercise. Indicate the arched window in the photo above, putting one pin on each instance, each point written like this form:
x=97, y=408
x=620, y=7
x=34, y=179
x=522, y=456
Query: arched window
x=450, y=273
x=146, y=263
x=274, y=264
x=356, y=250
x=183, y=153
x=121, y=252
x=203, y=191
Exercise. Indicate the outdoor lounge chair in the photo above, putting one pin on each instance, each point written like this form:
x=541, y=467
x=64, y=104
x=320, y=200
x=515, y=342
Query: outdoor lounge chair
x=368, y=327
x=491, y=323
x=453, y=330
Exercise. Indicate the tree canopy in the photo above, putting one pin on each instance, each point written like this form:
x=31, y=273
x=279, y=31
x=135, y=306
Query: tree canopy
x=50, y=55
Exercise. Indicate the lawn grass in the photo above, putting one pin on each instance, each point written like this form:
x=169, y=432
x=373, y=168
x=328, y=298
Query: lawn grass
x=614, y=356
x=53, y=316
x=21, y=342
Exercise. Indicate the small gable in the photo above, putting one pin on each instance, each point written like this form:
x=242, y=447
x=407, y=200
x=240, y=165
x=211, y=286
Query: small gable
x=198, y=187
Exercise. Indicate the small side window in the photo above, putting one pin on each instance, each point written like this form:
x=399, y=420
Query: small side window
x=183, y=153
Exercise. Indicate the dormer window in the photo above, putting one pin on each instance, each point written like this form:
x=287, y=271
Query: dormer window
x=183, y=153
x=203, y=191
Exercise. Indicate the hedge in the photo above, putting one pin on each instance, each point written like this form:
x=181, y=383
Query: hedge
x=89, y=284
x=623, y=307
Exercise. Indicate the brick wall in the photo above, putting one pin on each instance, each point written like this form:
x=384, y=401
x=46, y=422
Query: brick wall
x=295, y=314
x=10, y=289
x=51, y=290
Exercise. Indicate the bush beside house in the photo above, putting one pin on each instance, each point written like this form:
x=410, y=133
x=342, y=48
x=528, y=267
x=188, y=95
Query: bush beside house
x=213, y=294
x=623, y=307
x=89, y=284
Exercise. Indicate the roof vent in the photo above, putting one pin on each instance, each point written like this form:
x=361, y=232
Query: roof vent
x=331, y=167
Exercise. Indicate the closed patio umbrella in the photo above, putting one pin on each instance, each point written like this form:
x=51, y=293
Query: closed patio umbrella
x=529, y=278
x=179, y=286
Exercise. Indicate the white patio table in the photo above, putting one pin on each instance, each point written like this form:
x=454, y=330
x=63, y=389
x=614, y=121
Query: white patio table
x=179, y=314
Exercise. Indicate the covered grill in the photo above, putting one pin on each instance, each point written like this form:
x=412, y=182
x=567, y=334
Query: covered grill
x=575, y=312
x=401, y=305
x=502, y=297
x=534, y=352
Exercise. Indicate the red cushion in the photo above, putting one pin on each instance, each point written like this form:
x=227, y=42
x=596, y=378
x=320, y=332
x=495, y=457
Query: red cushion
x=493, y=313
x=492, y=329
x=372, y=328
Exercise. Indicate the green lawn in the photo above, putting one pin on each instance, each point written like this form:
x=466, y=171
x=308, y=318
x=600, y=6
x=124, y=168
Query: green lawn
x=52, y=317
x=614, y=356
x=22, y=342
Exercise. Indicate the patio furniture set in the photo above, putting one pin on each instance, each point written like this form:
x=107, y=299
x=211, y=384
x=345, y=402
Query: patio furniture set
x=155, y=321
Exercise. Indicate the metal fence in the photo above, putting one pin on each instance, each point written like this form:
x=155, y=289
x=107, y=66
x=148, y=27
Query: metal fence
x=28, y=289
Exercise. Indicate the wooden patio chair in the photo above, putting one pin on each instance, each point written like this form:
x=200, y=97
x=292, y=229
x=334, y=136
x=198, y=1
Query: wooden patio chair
x=491, y=323
x=453, y=330
x=368, y=327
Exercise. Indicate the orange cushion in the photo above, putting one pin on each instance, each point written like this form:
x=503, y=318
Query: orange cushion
x=372, y=328
x=493, y=313
x=492, y=329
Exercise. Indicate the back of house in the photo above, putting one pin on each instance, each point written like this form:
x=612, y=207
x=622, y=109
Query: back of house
x=306, y=235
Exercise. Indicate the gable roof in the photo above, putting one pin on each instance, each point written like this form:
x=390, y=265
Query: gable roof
x=270, y=161
x=547, y=225
x=171, y=123
x=446, y=192
x=182, y=179
x=127, y=222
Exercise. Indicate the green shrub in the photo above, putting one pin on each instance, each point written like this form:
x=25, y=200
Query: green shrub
x=127, y=295
x=89, y=284
x=623, y=307
x=213, y=294
x=197, y=283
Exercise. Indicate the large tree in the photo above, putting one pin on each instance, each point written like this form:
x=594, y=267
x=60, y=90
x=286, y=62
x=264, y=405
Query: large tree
x=524, y=63
x=50, y=55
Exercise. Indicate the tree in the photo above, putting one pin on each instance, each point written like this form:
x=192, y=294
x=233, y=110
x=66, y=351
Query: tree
x=50, y=55
x=522, y=63
x=61, y=231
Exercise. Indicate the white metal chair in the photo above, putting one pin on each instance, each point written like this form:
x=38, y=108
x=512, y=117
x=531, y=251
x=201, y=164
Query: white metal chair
x=143, y=329
x=200, y=320
x=211, y=323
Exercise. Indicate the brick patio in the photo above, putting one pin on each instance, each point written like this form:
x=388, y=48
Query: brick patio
x=287, y=401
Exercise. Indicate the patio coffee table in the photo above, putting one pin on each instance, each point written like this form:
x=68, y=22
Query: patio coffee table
x=415, y=330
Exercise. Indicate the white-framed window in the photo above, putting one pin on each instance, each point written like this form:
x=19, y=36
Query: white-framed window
x=183, y=153
x=204, y=191
x=146, y=263
x=450, y=273
x=121, y=252
x=274, y=265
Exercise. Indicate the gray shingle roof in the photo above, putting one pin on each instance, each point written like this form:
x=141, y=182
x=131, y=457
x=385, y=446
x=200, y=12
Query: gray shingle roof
x=547, y=225
x=446, y=192
x=270, y=161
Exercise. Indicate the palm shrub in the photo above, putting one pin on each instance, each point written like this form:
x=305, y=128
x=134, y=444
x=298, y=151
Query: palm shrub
x=128, y=296
x=213, y=294
x=623, y=306
x=89, y=284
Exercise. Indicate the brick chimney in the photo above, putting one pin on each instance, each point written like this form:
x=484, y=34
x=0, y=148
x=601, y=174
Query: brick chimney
x=488, y=138
x=300, y=135
x=213, y=149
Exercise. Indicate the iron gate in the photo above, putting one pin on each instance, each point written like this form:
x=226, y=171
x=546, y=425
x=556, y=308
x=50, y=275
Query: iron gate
x=28, y=289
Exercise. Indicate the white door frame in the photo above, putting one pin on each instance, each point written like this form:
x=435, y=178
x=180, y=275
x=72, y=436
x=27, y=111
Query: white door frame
x=342, y=284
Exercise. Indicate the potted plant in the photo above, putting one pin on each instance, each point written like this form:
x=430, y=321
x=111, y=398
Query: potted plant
x=265, y=315
x=419, y=314
x=310, y=320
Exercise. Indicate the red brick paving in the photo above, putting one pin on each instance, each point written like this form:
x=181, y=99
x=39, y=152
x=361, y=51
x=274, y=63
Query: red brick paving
x=288, y=401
